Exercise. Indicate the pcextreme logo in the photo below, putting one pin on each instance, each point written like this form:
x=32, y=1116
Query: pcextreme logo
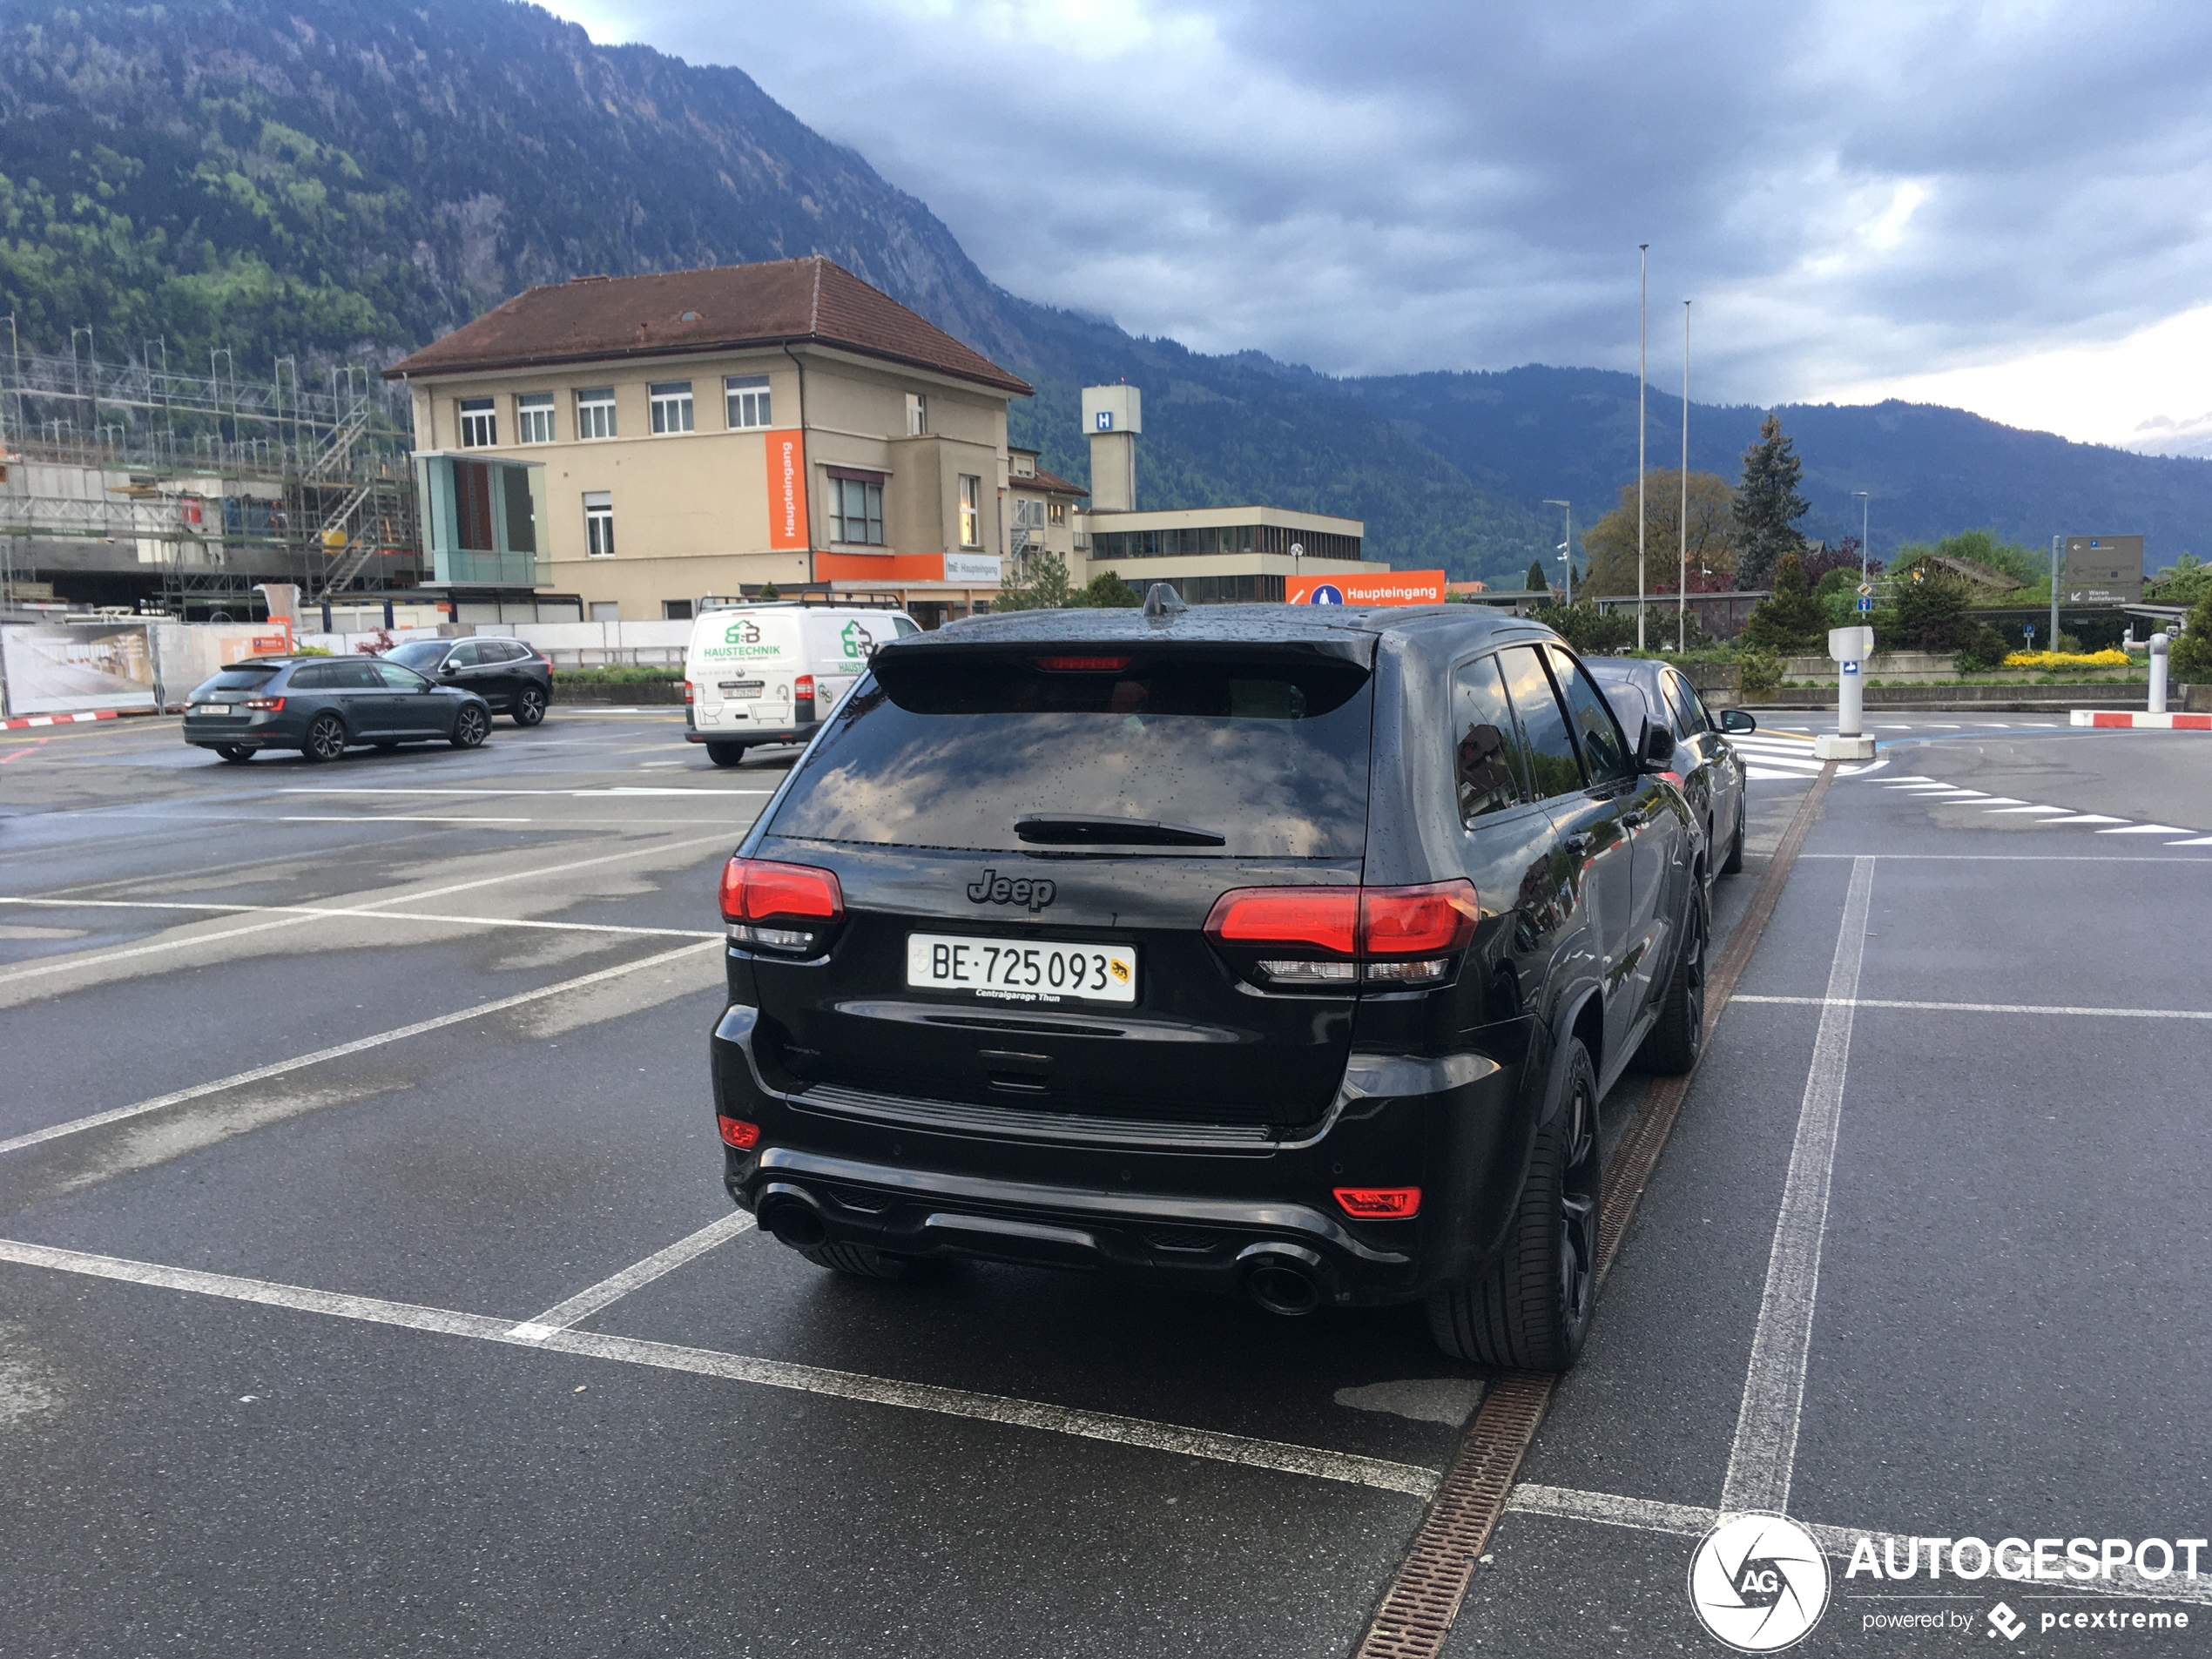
x=1758, y=1582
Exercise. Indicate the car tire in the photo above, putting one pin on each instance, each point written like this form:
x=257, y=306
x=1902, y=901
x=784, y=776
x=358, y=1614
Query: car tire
x=726, y=754
x=863, y=1261
x=324, y=740
x=1531, y=1310
x=236, y=753
x=1733, y=863
x=1674, y=1044
x=470, y=725
x=529, y=705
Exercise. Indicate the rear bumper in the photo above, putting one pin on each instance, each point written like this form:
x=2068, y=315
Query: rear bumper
x=748, y=734
x=1205, y=1216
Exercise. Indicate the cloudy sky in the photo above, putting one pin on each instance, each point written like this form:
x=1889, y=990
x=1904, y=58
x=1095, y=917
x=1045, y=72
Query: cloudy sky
x=2004, y=206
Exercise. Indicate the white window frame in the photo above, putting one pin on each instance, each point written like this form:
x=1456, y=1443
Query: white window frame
x=917, y=414
x=745, y=402
x=594, y=413
x=479, y=424
x=1055, y=513
x=534, y=417
x=671, y=402
x=971, y=510
x=598, y=524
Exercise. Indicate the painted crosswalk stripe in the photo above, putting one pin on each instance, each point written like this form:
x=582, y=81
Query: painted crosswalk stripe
x=2083, y=817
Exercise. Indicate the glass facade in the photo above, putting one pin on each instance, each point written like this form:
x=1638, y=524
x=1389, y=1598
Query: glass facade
x=1205, y=540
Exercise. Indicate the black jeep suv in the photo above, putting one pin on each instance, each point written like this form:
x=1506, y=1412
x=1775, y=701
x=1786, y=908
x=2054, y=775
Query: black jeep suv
x=1278, y=950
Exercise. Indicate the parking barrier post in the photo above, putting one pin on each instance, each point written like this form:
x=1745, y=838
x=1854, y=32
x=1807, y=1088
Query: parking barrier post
x=1848, y=648
x=2159, y=644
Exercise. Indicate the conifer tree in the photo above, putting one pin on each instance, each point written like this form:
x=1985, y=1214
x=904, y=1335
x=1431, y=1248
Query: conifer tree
x=1768, y=505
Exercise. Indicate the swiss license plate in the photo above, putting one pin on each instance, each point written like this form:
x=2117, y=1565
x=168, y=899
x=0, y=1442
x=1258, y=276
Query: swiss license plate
x=1021, y=970
x=742, y=688
x=213, y=708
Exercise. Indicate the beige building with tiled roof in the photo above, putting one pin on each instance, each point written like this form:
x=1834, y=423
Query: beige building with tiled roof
x=705, y=431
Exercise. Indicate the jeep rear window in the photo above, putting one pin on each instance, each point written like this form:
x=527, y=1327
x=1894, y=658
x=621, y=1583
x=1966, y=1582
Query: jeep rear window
x=1269, y=752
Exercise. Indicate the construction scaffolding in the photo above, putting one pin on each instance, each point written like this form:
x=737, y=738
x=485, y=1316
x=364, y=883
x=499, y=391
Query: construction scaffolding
x=203, y=487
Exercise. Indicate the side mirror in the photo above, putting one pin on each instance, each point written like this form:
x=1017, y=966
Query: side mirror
x=1737, y=720
x=1657, y=754
x=449, y=671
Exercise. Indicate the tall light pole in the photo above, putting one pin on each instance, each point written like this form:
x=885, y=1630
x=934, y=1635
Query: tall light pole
x=1644, y=340
x=1567, y=547
x=1864, y=507
x=1682, y=580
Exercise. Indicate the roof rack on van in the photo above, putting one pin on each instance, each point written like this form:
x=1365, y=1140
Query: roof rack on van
x=819, y=599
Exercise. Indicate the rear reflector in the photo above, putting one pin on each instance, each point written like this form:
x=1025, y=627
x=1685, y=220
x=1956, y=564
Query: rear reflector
x=1369, y=1203
x=761, y=890
x=1082, y=664
x=743, y=1135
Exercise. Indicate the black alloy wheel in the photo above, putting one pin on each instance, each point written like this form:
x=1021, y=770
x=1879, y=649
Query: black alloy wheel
x=470, y=725
x=529, y=705
x=1531, y=1311
x=1733, y=863
x=234, y=752
x=1678, y=1039
x=326, y=739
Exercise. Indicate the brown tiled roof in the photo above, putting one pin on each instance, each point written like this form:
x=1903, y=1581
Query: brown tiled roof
x=721, y=309
x=1050, y=483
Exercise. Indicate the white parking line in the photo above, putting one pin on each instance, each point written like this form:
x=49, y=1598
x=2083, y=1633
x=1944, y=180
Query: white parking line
x=392, y=818
x=69, y=964
x=1765, y=1450
x=1973, y=1007
x=573, y=794
x=1409, y=1479
x=585, y=1303
x=2006, y=812
x=77, y=1126
x=1692, y=1520
x=2084, y=818
x=2143, y=829
x=362, y=915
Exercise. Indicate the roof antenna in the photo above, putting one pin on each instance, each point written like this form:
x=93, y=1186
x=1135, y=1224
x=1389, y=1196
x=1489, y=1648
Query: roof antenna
x=1162, y=603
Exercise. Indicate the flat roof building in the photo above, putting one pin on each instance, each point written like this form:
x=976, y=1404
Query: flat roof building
x=708, y=431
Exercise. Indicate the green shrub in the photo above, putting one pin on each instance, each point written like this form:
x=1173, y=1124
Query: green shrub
x=625, y=675
x=2192, y=652
x=1761, y=673
x=1590, y=630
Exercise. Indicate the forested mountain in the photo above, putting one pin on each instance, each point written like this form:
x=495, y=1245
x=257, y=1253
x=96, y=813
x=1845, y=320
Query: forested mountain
x=347, y=181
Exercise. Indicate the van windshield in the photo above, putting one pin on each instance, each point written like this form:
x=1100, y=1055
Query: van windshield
x=1269, y=751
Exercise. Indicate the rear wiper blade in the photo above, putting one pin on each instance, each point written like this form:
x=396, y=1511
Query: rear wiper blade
x=1080, y=829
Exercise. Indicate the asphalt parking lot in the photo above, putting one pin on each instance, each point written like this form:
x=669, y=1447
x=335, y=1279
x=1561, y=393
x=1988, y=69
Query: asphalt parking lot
x=367, y=1284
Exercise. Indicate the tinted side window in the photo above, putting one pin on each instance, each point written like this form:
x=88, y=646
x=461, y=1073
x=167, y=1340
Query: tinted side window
x=397, y=678
x=1604, y=748
x=1689, y=719
x=1548, y=746
x=1487, y=762
x=315, y=676
x=465, y=655
x=354, y=676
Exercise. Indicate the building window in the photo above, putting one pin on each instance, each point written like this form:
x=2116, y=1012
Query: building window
x=594, y=413
x=534, y=415
x=856, y=510
x=676, y=611
x=971, y=511
x=672, y=405
x=479, y=425
x=1055, y=513
x=746, y=396
x=598, y=524
x=917, y=414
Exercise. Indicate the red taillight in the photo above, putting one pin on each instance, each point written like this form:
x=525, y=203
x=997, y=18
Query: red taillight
x=743, y=1135
x=1369, y=1203
x=1082, y=664
x=1437, y=919
x=761, y=890
x=271, y=703
x=687, y=691
x=1433, y=921
x=1325, y=919
x=803, y=686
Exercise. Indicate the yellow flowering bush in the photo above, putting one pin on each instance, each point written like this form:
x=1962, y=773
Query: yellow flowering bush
x=2114, y=658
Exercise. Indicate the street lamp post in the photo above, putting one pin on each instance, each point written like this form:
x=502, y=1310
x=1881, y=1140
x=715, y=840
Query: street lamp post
x=1682, y=577
x=1864, y=507
x=1567, y=547
x=1644, y=340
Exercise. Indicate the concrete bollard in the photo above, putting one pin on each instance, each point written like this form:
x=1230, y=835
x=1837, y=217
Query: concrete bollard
x=2159, y=644
x=1848, y=648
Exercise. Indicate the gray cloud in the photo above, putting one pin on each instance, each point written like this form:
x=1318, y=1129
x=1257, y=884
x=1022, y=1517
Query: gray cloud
x=1850, y=191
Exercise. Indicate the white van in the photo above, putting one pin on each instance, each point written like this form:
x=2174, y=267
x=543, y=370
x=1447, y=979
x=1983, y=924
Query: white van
x=768, y=673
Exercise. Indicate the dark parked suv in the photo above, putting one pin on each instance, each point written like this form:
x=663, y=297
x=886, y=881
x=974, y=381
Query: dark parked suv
x=1281, y=951
x=512, y=677
x=324, y=705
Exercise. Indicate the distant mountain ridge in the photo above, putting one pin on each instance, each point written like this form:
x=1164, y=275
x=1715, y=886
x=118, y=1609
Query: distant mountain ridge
x=352, y=180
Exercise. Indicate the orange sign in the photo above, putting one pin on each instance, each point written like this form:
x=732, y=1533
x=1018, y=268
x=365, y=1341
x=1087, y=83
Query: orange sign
x=787, y=489
x=1397, y=588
